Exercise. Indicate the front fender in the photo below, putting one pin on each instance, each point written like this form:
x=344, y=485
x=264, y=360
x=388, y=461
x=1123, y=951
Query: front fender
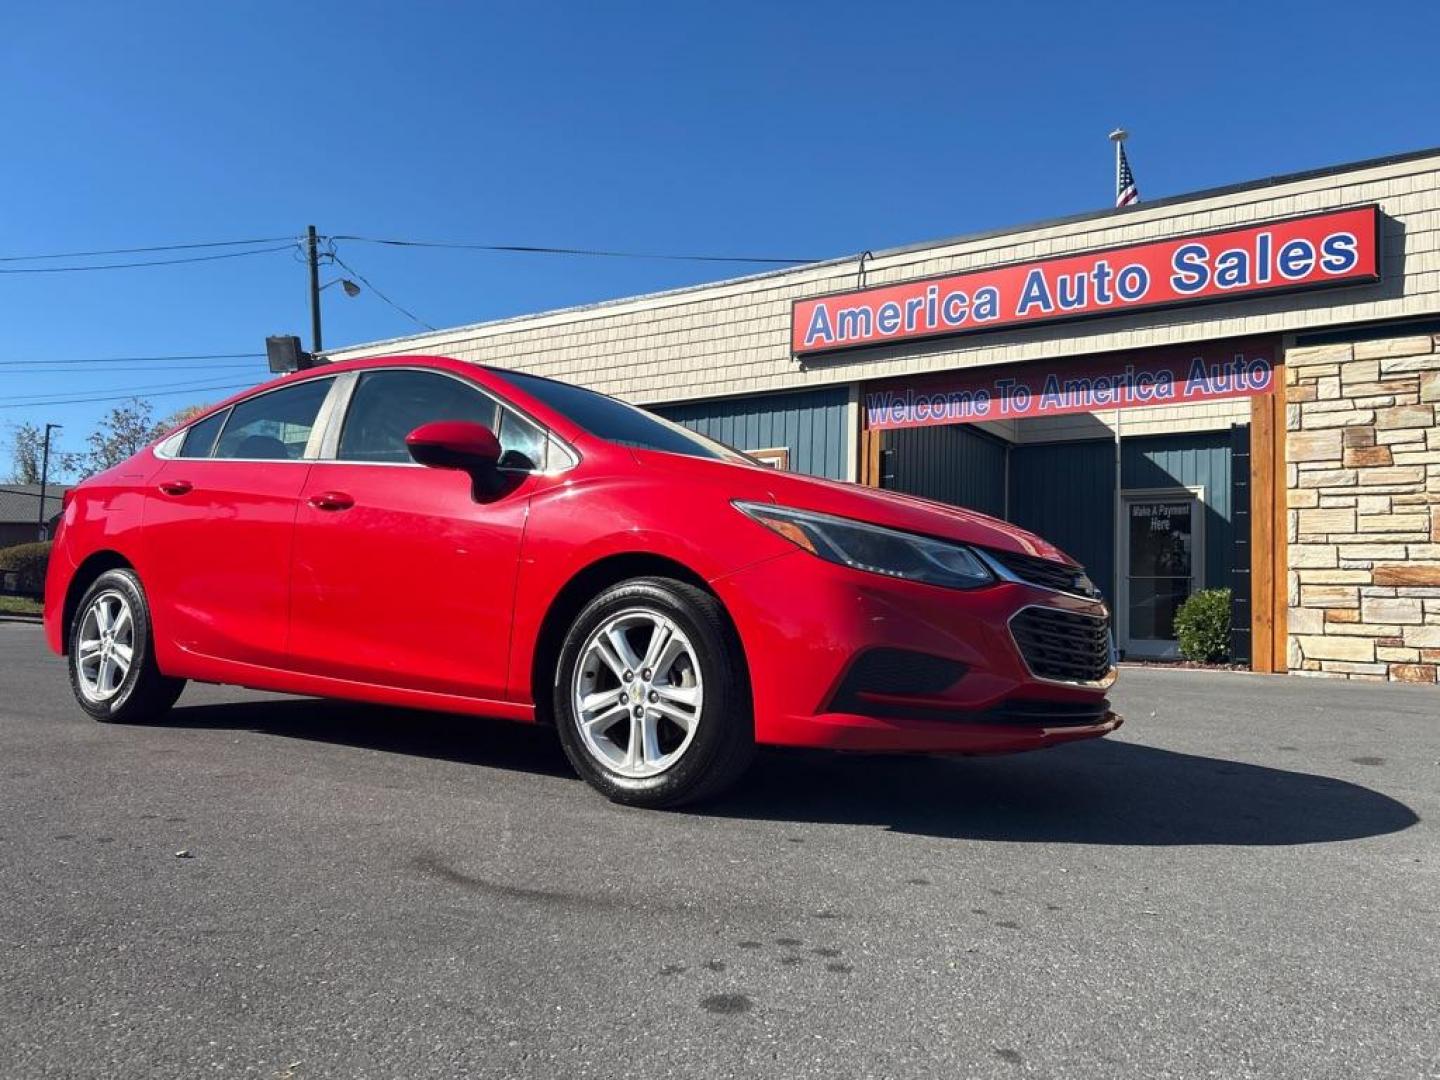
x=570, y=529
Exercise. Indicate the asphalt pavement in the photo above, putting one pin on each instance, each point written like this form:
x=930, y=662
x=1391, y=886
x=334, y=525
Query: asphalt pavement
x=1244, y=882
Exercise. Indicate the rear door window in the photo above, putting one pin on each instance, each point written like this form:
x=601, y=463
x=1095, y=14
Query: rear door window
x=200, y=437
x=273, y=426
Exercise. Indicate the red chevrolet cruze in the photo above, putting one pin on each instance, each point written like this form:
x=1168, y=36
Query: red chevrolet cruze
x=427, y=532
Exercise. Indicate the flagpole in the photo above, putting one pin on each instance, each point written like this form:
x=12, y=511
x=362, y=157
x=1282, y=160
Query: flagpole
x=1118, y=137
x=1119, y=610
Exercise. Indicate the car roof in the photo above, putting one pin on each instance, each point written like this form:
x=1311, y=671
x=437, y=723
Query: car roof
x=486, y=375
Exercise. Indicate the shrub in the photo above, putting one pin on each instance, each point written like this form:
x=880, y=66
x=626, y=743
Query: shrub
x=30, y=561
x=1202, y=626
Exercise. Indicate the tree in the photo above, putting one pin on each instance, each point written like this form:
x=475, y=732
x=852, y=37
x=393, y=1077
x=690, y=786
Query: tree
x=124, y=430
x=27, y=455
x=121, y=432
x=178, y=417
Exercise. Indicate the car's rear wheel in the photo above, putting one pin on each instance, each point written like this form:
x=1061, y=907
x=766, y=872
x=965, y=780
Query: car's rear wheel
x=651, y=696
x=112, y=654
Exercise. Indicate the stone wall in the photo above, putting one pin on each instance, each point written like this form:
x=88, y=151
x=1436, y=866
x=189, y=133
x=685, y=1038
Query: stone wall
x=1363, y=465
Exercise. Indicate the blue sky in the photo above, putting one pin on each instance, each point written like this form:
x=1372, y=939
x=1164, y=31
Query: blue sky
x=788, y=130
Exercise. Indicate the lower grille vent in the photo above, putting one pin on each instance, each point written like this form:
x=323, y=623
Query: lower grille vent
x=1063, y=645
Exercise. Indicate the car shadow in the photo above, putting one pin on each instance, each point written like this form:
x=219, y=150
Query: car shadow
x=467, y=740
x=1100, y=792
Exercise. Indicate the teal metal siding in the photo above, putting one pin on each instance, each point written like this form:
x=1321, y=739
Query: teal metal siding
x=810, y=424
x=953, y=463
x=1065, y=492
x=1200, y=459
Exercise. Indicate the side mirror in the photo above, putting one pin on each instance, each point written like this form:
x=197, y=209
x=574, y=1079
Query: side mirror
x=454, y=444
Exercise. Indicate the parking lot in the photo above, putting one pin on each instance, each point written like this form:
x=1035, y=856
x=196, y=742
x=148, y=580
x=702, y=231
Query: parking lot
x=1243, y=882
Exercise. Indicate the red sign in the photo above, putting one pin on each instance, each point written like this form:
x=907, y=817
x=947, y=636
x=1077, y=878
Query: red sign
x=1337, y=248
x=1120, y=381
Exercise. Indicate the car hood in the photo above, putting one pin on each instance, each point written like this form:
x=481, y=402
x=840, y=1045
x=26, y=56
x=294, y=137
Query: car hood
x=888, y=508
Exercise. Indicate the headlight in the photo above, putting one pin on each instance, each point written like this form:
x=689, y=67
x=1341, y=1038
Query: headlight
x=873, y=548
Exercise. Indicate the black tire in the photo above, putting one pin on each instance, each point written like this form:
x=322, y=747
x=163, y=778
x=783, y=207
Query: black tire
x=144, y=693
x=724, y=735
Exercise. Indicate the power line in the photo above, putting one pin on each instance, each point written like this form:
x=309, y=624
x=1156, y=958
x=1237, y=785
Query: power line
x=139, y=359
x=531, y=249
x=152, y=262
x=131, y=391
x=281, y=243
x=145, y=250
x=120, y=397
x=370, y=285
x=109, y=369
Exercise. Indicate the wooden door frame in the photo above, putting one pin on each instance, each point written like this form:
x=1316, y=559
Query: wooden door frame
x=1269, y=528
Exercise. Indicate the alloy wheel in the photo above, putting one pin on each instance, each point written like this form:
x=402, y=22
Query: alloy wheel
x=105, y=647
x=637, y=693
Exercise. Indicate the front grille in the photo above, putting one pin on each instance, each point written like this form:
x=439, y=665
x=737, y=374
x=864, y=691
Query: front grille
x=1046, y=573
x=1062, y=644
x=1049, y=713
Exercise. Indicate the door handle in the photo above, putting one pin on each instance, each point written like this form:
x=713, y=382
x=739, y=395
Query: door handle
x=177, y=487
x=331, y=500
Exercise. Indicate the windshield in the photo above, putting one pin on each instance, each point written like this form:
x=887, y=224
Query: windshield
x=617, y=422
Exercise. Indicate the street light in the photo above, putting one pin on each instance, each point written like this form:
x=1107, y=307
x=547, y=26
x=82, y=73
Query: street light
x=283, y=351
x=351, y=289
x=44, y=480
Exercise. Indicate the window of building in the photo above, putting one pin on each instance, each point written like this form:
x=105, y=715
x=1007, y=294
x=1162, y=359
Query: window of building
x=775, y=457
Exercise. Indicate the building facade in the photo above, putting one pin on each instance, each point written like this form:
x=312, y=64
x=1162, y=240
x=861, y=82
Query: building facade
x=1235, y=388
x=20, y=514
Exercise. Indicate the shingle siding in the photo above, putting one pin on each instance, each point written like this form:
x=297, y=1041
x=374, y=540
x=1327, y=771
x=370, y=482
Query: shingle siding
x=732, y=338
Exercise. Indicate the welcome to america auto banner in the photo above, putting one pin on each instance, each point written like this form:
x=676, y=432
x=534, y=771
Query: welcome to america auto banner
x=1180, y=376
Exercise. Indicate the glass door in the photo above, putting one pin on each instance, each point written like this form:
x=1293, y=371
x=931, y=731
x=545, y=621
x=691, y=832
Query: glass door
x=1162, y=557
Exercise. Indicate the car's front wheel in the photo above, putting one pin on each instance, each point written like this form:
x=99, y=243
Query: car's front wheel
x=651, y=696
x=112, y=653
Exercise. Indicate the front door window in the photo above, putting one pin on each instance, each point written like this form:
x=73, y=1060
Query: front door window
x=1162, y=557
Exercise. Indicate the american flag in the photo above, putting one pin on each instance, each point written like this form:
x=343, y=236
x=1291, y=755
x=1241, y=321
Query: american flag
x=1125, y=190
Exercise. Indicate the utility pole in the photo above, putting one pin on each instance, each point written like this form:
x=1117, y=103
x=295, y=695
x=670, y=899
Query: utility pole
x=44, y=479
x=312, y=248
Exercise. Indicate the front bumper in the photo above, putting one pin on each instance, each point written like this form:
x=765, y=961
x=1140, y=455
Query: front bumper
x=805, y=622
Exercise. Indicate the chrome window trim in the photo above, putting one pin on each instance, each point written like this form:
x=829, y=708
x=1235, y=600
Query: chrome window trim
x=305, y=457
x=168, y=452
x=168, y=448
x=330, y=448
x=1103, y=683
